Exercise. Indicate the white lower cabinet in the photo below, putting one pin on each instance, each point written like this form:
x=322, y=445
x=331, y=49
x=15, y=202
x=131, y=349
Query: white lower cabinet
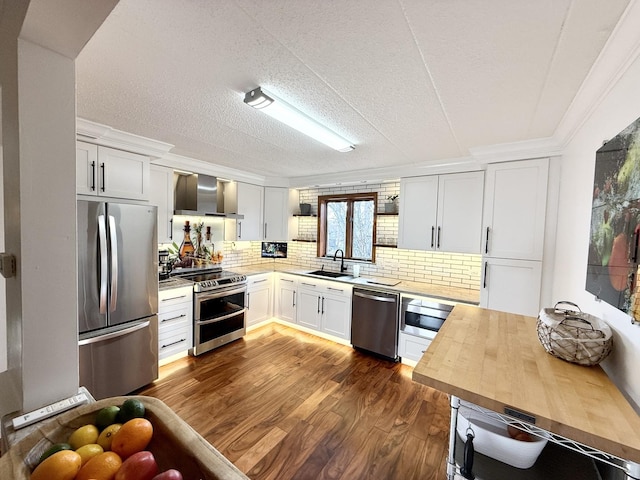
x=175, y=321
x=336, y=311
x=259, y=298
x=511, y=285
x=325, y=306
x=412, y=347
x=286, y=297
x=309, y=298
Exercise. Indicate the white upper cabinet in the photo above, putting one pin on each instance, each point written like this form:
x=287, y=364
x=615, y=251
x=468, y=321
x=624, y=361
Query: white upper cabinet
x=418, y=213
x=161, y=195
x=514, y=209
x=441, y=212
x=245, y=199
x=511, y=285
x=276, y=215
x=109, y=172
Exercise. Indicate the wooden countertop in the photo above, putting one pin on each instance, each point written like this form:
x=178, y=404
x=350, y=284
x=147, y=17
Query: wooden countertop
x=495, y=360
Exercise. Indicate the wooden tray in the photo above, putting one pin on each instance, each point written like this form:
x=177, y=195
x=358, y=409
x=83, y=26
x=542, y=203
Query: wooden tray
x=174, y=444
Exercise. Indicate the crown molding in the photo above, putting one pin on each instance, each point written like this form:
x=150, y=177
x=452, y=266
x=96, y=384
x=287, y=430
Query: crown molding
x=620, y=51
x=107, y=136
x=179, y=162
x=524, y=150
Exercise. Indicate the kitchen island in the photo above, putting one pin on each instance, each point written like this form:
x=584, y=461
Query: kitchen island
x=495, y=360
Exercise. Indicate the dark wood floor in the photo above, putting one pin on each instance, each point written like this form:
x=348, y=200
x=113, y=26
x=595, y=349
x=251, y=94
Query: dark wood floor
x=282, y=404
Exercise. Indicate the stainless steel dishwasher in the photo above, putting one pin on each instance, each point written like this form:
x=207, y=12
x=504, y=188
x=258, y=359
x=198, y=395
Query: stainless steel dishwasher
x=374, y=321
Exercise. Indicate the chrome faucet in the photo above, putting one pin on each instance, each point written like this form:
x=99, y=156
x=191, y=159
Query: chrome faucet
x=342, y=267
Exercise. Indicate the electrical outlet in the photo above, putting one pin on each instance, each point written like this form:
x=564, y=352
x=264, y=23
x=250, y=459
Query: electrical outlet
x=7, y=265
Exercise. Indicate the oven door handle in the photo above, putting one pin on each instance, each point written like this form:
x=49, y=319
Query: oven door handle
x=203, y=296
x=219, y=319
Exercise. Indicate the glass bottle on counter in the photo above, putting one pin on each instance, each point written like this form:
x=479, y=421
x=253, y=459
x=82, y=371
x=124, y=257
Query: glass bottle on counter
x=186, y=249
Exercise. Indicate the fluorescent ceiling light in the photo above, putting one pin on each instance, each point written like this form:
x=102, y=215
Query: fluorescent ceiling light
x=285, y=113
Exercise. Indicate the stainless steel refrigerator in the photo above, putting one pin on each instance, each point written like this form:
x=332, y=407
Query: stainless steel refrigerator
x=117, y=296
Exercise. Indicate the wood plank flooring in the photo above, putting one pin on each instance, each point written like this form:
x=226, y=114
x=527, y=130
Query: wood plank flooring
x=282, y=404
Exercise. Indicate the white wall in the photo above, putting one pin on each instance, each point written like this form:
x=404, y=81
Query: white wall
x=616, y=110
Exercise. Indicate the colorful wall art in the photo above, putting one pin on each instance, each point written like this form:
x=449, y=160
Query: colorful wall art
x=615, y=222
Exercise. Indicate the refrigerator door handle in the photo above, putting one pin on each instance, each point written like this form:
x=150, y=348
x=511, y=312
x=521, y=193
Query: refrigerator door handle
x=113, y=238
x=102, y=239
x=112, y=335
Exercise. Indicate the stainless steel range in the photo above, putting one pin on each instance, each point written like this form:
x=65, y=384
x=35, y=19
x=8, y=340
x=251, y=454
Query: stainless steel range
x=218, y=308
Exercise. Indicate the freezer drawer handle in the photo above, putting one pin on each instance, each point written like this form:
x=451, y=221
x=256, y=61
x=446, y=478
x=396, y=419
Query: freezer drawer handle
x=375, y=297
x=111, y=336
x=174, y=343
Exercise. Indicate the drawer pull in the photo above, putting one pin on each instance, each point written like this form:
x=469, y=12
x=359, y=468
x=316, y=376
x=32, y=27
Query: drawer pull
x=260, y=281
x=309, y=284
x=335, y=289
x=173, y=298
x=172, y=318
x=286, y=280
x=174, y=343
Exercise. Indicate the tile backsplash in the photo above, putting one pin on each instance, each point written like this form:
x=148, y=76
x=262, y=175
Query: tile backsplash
x=448, y=269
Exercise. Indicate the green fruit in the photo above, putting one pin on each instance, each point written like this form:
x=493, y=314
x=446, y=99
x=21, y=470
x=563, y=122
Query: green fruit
x=107, y=416
x=56, y=447
x=131, y=408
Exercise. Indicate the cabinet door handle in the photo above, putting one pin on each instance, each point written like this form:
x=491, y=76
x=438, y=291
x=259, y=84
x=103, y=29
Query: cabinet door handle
x=174, y=343
x=438, y=246
x=322, y=306
x=102, y=187
x=486, y=243
x=265, y=230
x=486, y=267
x=239, y=229
x=433, y=232
x=248, y=300
x=93, y=176
x=294, y=298
x=171, y=229
x=172, y=318
x=318, y=304
x=635, y=249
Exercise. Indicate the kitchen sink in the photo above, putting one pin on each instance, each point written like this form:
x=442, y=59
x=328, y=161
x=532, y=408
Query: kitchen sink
x=325, y=273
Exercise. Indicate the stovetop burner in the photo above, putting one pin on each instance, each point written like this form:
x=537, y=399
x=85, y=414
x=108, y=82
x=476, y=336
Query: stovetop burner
x=210, y=280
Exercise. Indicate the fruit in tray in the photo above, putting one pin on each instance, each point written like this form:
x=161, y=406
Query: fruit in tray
x=112, y=448
x=518, y=434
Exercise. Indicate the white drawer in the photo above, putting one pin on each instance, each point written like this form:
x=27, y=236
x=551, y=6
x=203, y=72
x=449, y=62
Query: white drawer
x=172, y=344
x=174, y=296
x=175, y=315
x=412, y=347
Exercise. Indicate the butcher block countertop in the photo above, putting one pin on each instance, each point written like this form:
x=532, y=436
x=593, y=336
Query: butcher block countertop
x=495, y=360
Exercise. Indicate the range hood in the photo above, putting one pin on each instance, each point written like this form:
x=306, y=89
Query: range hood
x=199, y=195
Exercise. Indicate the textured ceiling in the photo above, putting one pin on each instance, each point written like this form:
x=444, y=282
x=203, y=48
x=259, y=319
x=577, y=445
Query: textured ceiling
x=407, y=81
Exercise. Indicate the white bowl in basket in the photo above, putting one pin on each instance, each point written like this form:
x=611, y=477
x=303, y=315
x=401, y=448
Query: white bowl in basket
x=493, y=440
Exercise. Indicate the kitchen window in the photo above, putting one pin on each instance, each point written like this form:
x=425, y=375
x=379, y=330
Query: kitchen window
x=347, y=222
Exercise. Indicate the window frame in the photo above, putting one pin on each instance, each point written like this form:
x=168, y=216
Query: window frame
x=350, y=198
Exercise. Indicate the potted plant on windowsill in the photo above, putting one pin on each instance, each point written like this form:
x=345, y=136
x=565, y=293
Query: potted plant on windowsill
x=392, y=205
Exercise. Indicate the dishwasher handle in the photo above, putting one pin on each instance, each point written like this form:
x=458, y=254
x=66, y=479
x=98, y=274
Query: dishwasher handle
x=375, y=297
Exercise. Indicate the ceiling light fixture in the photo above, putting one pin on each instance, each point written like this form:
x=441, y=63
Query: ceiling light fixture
x=285, y=113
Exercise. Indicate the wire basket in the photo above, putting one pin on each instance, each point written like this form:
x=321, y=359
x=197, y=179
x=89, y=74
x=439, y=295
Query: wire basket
x=574, y=336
